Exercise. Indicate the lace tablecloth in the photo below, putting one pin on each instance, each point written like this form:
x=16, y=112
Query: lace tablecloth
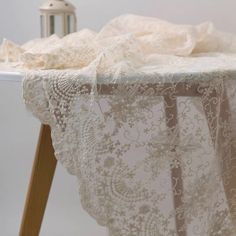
x=150, y=131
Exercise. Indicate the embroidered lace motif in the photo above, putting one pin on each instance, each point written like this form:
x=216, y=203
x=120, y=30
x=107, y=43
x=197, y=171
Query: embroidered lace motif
x=145, y=118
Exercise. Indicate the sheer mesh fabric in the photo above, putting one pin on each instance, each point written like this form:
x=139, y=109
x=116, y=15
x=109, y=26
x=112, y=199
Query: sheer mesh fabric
x=144, y=114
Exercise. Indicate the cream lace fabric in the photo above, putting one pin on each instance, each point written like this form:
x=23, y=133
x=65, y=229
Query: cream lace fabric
x=144, y=114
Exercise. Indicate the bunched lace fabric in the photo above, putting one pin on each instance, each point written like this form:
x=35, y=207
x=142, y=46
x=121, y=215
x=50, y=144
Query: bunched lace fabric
x=144, y=114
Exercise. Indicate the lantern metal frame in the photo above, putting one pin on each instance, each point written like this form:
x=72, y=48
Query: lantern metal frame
x=54, y=8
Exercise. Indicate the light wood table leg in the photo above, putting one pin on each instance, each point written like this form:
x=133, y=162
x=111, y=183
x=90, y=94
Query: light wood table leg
x=40, y=184
x=170, y=104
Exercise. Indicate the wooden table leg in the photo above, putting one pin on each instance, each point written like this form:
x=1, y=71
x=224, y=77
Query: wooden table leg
x=40, y=184
x=170, y=104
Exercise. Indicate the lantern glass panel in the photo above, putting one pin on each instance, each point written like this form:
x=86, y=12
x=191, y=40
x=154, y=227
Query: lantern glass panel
x=58, y=25
x=52, y=24
x=42, y=24
x=70, y=24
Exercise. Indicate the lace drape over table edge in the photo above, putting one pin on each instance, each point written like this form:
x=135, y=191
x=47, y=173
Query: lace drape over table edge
x=214, y=108
x=146, y=123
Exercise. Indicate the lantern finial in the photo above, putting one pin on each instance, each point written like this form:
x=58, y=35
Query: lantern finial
x=58, y=5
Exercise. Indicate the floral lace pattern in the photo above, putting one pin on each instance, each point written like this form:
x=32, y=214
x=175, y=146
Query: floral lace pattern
x=151, y=159
x=146, y=123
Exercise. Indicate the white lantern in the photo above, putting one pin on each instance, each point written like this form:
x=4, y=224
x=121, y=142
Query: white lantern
x=57, y=17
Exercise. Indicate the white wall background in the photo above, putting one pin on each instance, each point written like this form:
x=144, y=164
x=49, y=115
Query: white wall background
x=19, y=21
